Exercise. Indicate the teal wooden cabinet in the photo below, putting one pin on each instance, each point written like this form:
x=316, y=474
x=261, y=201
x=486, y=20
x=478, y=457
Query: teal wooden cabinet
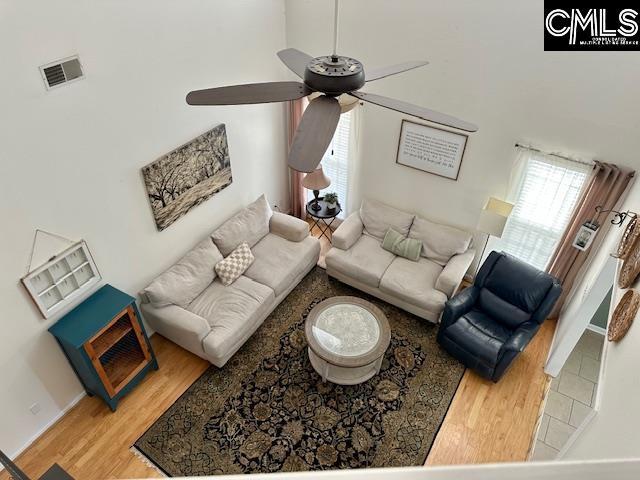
x=106, y=344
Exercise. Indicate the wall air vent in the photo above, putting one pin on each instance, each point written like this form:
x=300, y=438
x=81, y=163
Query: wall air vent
x=61, y=72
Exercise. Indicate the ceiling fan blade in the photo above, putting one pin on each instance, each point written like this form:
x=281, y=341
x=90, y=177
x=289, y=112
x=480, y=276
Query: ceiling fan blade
x=314, y=134
x=377, y=73
x=416, y=111
x=249, y=93
x=295, y=60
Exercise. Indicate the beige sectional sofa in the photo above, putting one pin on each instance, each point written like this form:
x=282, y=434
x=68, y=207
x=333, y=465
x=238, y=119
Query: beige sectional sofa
x=422, y=288
x=189, y=305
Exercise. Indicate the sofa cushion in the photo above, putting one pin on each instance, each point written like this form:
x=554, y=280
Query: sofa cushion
x=479, y=336
x=414, y=282
x=377, y=218
x=217, y=302
x=249, y=225
x=186, y=279
x=408, y=248
x=278, y=261
x=231, y=312
x=365, y=261
x=235, y=264
x=439, y=242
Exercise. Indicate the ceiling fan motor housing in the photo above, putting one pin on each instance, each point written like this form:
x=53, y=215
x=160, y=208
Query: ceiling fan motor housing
x=334, y=75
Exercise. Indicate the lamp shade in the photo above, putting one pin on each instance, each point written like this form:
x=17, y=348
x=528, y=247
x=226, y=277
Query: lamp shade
x=493, y=216
x=316, y=180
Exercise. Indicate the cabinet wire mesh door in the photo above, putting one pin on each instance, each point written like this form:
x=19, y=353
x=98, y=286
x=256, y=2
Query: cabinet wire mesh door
x=119, y=351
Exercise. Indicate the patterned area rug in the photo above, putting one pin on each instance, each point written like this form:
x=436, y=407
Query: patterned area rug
x=267, y=410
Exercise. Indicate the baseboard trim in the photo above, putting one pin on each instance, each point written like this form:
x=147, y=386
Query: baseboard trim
x=596, y=329
x=54, y=420
x=49, y=424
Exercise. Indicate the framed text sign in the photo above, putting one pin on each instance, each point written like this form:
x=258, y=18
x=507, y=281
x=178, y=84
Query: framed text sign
x=431, y=149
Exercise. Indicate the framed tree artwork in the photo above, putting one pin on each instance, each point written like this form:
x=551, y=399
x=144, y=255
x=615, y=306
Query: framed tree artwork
x=431, y=149
x=187, y=176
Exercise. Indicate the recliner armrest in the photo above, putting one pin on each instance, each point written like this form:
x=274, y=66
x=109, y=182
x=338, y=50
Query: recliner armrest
x=453, y=272
x=521, y=337
x=288, y=227
x=348, y=233
x=458, y=306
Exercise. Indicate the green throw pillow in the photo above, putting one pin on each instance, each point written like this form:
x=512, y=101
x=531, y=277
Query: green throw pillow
x=404, y=247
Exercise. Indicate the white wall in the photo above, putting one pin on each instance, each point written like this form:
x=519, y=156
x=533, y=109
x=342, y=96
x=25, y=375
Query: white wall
x=70, y=159
x=613, y=431
x=579, y=311
x=587, y=294
x=487, y=66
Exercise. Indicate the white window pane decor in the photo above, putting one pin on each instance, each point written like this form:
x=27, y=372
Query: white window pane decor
x=62, y=280
x=335, y=163
x=545, y=193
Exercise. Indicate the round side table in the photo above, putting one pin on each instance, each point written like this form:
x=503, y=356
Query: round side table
x=324, y=217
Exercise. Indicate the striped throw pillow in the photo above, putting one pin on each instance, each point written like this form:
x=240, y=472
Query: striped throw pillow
x=402, y=246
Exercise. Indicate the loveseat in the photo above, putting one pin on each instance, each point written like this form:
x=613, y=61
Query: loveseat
x=189, y=305
x=421, y=287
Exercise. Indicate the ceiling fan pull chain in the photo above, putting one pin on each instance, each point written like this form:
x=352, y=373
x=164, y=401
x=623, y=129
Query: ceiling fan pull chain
x=335, y=30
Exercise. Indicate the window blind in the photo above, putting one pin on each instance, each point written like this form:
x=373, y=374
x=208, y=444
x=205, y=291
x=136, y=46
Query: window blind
x=545, y=197
x=335, y=163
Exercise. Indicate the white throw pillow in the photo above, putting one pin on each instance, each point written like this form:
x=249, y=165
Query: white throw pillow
x=249, y=225
x=377, y=218
x=230, y=269
x=439, y=242
x=186, y=279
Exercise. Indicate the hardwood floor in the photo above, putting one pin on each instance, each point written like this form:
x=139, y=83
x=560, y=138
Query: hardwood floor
x=90, y=442
x=496, y=422
x=486, y=422
x=325, y=244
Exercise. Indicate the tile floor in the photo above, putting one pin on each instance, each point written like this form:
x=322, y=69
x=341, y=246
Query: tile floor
x=571, y=396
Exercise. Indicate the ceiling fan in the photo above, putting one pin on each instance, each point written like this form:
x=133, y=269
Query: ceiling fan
x=332, y=76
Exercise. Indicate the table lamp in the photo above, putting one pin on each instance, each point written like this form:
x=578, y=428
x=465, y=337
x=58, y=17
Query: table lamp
x=492, y=221
x=316, y=181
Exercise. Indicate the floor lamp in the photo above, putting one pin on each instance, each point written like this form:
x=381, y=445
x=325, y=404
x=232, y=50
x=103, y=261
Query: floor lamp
x=493, y=218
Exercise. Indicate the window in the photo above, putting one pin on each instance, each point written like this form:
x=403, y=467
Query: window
x=335, y=163
x=545, y=192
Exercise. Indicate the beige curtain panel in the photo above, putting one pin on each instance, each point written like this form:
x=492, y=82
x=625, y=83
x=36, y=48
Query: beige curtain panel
x=605, y=187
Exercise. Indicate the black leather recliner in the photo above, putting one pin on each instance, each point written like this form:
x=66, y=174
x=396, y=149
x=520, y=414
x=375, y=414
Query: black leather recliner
x=488, y=324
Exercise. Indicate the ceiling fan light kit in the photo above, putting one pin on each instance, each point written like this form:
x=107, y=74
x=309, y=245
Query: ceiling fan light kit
x=329, y=79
